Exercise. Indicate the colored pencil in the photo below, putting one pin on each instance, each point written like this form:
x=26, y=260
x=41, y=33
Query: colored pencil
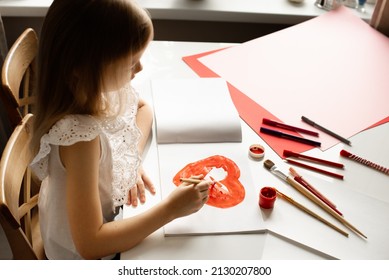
x=329, y=132
x=288, y=153
x=322, y=171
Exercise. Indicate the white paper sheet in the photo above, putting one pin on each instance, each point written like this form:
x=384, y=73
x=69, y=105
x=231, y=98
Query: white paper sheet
x=244, y=217
x=195, y=111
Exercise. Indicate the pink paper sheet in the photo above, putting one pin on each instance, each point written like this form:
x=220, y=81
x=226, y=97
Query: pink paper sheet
x=333, y=69
x=251, y=112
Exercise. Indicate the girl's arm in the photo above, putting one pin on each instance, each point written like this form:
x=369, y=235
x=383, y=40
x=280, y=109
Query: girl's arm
x=94, y=239
x=144, y=121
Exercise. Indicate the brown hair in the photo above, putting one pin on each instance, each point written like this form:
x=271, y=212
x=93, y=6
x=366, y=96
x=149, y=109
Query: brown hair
x=79, y=38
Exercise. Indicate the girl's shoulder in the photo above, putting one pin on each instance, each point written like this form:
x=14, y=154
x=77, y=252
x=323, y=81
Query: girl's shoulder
x=65, y=132
x=72, y=129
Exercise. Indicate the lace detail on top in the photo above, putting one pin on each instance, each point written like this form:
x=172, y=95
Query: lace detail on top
x=123, y=137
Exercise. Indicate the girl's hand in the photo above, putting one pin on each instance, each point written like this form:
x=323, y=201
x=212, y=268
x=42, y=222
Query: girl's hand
x=139, y=191
x=188, y=198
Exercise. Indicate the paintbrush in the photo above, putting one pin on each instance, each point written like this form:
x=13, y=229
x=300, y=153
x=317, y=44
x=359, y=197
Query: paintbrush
x=273, y=169
x=215, y=175
x=308, y=186
x=190, y=180
x=310, y=212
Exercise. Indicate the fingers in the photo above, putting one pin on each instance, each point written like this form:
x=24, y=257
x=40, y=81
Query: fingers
x=141, y=191
x=149, y=184
x=203, y=189
x=204, y=185
x=133, y=197
x=205, y=196
x=138, y=192
x=188, y=198
x=135, y=193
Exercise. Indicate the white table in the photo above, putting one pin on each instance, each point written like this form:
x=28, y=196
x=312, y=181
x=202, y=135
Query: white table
x=163, y=59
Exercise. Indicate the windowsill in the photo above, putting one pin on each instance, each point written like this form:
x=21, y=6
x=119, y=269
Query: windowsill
x=253, y=11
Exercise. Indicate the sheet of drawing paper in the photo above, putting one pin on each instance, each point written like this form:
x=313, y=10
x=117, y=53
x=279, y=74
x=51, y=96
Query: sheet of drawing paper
x=251, y=112
x=243, y=217
x=332, y=69
x=367, y=214
x=195, y=111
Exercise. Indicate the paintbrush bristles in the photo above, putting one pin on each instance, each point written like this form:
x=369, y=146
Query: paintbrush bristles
x=273, y=169
x=268, y=164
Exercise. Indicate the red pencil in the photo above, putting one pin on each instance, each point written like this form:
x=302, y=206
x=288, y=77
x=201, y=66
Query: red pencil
x=288, y=153
x=325, y=172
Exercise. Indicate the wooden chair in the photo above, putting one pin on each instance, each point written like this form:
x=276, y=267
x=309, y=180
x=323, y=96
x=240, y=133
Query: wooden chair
x=18, y=210
x=17, y=76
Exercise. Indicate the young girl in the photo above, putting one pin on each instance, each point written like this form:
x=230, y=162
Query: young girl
x=90, y=129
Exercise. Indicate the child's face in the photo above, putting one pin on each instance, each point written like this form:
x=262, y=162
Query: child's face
x=120, y=73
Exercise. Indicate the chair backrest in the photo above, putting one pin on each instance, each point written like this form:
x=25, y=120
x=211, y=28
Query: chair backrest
x=18, y=208
x=17, y=76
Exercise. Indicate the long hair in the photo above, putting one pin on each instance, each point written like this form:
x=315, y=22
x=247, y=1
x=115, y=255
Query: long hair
x=79, y=38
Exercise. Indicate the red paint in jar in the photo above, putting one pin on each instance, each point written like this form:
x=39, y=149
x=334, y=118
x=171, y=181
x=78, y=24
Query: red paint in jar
x=267, y=197
x=256, y=151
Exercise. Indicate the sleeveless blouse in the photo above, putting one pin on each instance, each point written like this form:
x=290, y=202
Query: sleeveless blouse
x=118, y=168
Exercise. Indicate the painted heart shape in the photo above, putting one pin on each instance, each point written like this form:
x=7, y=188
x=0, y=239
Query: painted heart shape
x=226, y=192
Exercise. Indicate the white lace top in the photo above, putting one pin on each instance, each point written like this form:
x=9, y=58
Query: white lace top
x=119, y=162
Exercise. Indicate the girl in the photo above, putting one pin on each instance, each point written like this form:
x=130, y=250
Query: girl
x=90, y=129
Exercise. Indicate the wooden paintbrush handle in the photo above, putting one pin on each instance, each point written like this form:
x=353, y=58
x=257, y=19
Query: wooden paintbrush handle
x=190, y=180
x=313, y=214
x=320, y=203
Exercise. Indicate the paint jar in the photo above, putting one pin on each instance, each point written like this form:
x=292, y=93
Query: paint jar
x=256, y=151
x=267, y=197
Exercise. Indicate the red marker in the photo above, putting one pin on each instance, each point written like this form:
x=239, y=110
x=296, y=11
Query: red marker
x=289, y=127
